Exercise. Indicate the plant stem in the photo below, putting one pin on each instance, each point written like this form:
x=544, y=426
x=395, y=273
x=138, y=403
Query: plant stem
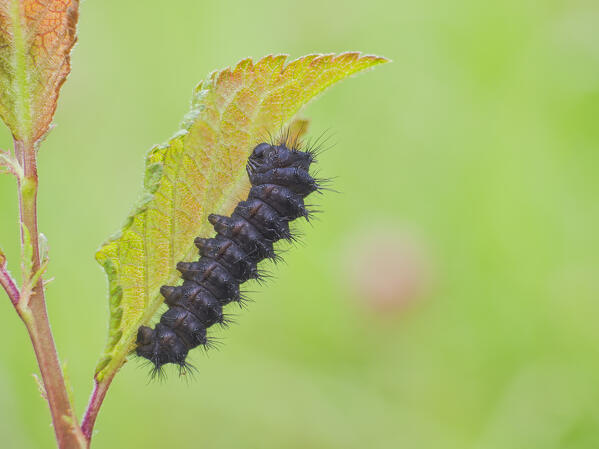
x=32, y=310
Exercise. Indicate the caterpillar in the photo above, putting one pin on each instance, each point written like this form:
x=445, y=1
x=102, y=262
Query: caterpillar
x=280, y=180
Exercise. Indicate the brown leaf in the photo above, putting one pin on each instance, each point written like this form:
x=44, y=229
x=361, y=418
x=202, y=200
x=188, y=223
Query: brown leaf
x=36, y=38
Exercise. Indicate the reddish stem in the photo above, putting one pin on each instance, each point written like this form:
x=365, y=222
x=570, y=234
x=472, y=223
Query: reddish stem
x=95, y=402
x=9, y=285
x=32, y=311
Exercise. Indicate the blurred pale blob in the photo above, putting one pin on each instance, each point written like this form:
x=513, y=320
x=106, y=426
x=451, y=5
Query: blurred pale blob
x=387, y=267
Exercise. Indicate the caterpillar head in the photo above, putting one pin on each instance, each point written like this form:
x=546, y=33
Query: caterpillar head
x=266, y=156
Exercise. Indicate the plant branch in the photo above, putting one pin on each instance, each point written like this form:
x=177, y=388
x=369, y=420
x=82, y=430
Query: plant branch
x=32, y=309
x=9, y=285
x=93, y=408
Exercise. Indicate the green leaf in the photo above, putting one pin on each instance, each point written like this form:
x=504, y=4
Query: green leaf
x=200, y=171
x=30, y=277
x=36, y=37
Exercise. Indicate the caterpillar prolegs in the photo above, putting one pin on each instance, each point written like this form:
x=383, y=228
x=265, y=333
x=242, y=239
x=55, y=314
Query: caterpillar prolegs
x=280, y=180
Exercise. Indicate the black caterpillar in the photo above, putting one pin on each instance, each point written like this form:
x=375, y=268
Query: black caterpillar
x=280, y=181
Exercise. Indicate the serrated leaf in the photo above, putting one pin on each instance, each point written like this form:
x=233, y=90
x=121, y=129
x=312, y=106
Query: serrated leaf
x=36, y=37
x=200, y=171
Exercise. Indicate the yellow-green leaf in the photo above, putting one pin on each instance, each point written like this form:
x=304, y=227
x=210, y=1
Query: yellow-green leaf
x=36, y=37
x=202, y=171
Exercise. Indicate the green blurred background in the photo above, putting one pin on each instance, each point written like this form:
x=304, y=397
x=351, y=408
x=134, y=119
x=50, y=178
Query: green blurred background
x=447, y=298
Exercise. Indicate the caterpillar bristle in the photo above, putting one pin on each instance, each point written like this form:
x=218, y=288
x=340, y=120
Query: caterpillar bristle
x=227, y=320
x=278, y=170
x=187, y=371
x=312, y=214
x=243, y=301
x=263, y=276
x=213, y=343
